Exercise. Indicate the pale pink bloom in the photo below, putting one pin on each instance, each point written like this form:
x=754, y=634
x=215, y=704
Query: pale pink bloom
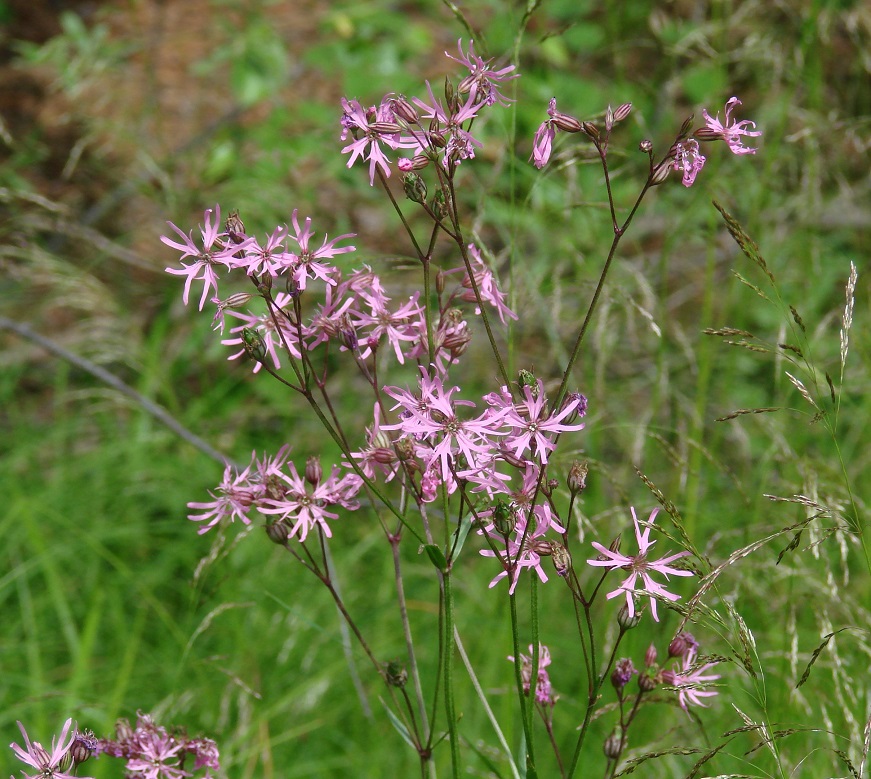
x=267, y=258
x=398, y=326
x=640, y=566
x=157, y=757
x=367, y=129
x=484, y=78
x=543, y=689
x=432, y=418
x=455, y=143
x=731, y=132
x=306, y=505
x=688, y=159
x=533, y=426
x=378, y=454
x=309, y=262
x=45, y=763
x=542, y=144
x=212, y=254
x=690, y=679
x=486, y=282
x=237, y=493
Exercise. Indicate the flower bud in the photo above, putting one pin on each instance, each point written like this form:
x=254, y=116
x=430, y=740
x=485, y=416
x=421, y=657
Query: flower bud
x=646, y=146
x=622, y=111
x=562, y=560
x=405, y=449
x=650, y=656
x=415, y=188
x=685, y=127
x=235, y=228
x=313, y=471
x=681, y=644
x=123, y=730
x=625, y=621
x=648, y=682
x=566, y=122
x=278, y=532
x=613, y=746
x=623, y=671
x=590, y=129
x=661, y=173
x=404, y=109
x=264, y=282
x=577, y=478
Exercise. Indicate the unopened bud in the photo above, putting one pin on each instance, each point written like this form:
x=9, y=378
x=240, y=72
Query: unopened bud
x=650, y=656
x=622, y=111
x=348, y=333
x=562, y=560
x=264, y=282
x=646, y=146
x=415, y=188
x=278, y=532
x=439, y=205
x=613, y=746
x=623, y=671
x=648, y=682
x=291, y=286
x=404, y=110
x=123, y=730
x=313, y=471
x=440, y=282
x=577, y=478
x=590, y=129
x=681, y=644
x=625, y=621
x=661, y=173
x=450, y=94
x=235, y=228
x=685, y=127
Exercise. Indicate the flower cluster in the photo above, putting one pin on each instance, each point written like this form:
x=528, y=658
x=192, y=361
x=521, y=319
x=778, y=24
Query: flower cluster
x=273, y=486
x=62, y=758
x=684, y=156
x=689, y=678
x=544, y=695
x=150, y=752
x=429, y=129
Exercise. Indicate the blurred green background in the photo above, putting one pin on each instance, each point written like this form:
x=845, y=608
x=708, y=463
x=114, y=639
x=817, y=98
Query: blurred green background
x=118, y=116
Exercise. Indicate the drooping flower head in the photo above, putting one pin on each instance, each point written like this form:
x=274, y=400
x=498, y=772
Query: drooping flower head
x=690, y=679
x=731, y=132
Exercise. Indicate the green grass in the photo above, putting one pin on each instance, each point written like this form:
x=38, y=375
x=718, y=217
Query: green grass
x=114, y=604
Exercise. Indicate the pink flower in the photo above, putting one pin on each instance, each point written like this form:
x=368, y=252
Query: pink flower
x=36, y=756
x=688, y=160
x=309, y=263
x=486, y=283
x=731, y=132
x=482, y=76
x=213, y=253
x=369, y=129
x=533, y=425
x=689, y=679
x=640, y=566
x=543, y=690
x=237, y=493
x=274, y=338
x=542, y=144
